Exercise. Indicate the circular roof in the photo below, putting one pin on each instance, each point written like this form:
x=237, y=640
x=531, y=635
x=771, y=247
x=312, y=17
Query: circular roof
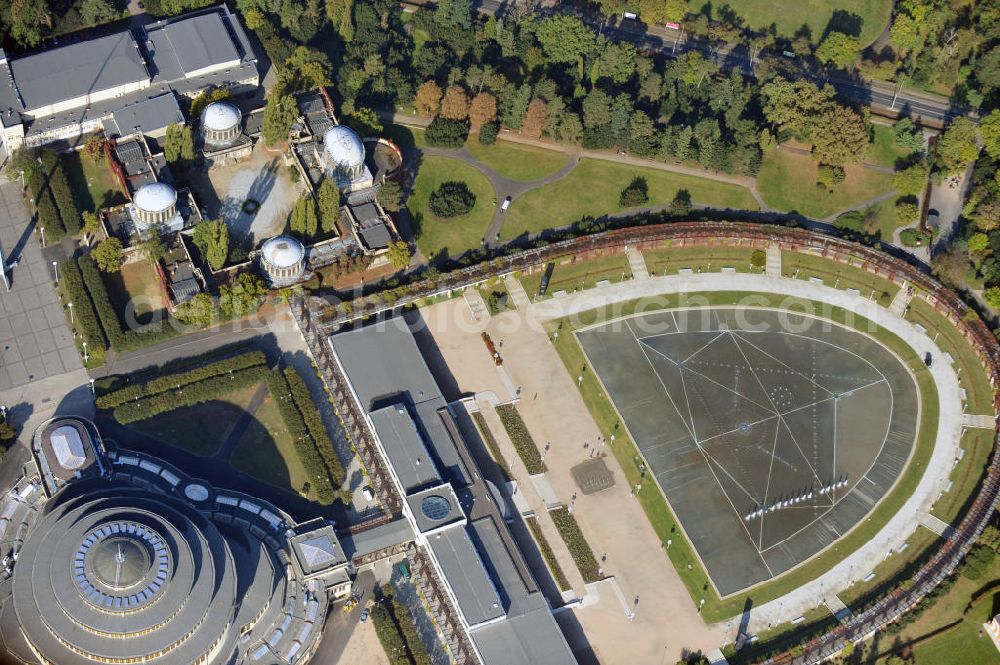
x=196, y=492
x=155, y=197
x=283, y=251
x=220, y=116
x=120, y=563
x=435, y=507
x=344, y=147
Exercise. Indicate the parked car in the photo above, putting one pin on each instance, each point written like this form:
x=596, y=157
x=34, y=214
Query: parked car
x=505, y=204
x=368, y=493
x=364, y=615
x=928, y=359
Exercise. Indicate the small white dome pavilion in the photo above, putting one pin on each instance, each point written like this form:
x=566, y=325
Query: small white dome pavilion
x=220, y=124
x=283, y=260
x=155, y=205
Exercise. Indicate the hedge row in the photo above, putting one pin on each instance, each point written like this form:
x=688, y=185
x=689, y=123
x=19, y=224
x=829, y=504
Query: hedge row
x=578, y=546
x=398, y=634
x=314, y=423
x=161, y=383
x=492, y=445
x=547, y=553
x=83, y=308
x=45, y=205
x=194, y=393
x=62, y=193
x=521, y=438
x=305, y=447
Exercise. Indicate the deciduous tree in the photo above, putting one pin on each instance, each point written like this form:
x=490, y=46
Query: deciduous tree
x=399, y=254
x=844, y=138
x=565, y=39
x=839, y=50
x=108, y=255
x=428, y=98
x=279, y=114
x=455, y=105
x=212, y=240
x=482, y=110
x=534, y=118
x=957, y=146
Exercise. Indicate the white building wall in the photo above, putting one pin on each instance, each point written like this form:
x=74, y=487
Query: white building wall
x=86, y=100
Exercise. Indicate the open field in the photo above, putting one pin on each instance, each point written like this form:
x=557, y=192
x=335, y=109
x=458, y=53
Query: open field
x=813, y=16
x=93, y=185
x=579, y=275
x=266, y=451
x=787, y=181
x=517, y=161
x=137, y=289
x=883, y=150
x=661, y=516
x=594, y=188
x=202, y=428
x=669, y=260
x=441, y=238
x=838, y=275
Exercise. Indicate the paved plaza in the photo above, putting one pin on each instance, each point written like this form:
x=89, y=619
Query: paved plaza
x=35, y=341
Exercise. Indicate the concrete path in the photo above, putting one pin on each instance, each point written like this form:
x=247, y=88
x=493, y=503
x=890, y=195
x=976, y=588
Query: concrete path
x=860, y=206
x=902, y=300
x=867, y=165
x=837, y=607
x=900, y=527
x=979, y=421
x=517, y=292
x=474, y=299
x=773, y=266
x=636, y=263
x=938, y=526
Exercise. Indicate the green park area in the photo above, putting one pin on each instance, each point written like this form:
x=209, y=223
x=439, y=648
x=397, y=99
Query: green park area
x=594, y=188
x=266, y=450
x=579, y=275
x=407, y=138
x=136, y=287
x=883, y=150
x=517, y=161
x=93, y=185
x=439, y=238
x=668, y=260
x=787, y=182
x=838, y=275
x=866, y=18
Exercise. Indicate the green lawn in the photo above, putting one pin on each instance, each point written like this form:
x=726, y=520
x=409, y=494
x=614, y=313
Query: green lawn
x=516, y=161
x=407, y=138
x=883, y=150
x=790, y=17
x=202, y=428
x=971, y=377
x=93, y=185
x=838, y=275
x=441, y=238
x=668, y=260
x=266, y=451
x=580, y=275
x=965, y=643
x=138, y=284
x=787, y=181
x=658, y=511
x=594, y=187
x=966, y=476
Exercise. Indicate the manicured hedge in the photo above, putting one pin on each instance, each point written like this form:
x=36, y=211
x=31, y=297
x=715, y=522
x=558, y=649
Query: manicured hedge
x=83, y=308
x=305, y=447
x=397, y=632
x=314, y=423
x=521, y=438
x=194, y=393
x=180, y=379
x=63, y=195
x=45, y=205
x=578, y=546
x=547, y=553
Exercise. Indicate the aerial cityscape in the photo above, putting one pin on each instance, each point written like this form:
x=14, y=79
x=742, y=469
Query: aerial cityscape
x=468, y=332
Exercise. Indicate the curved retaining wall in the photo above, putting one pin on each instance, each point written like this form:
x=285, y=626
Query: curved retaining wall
x=730, y=234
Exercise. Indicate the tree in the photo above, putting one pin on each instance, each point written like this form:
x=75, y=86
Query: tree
x=910, y=181
x=95, y=12
x=844, y=138
x=957, y=147
x=444, y=133
x=365, y=122
x=91, y=222
x=839, y=50
x=908, y=135
x=978, y=243
x=635, y=194
x=534, y=119
x=451, y=199
x=305, y=69
x=399, y=254
x=829, y=176
x=26, y=20
x=390, y=196
x=242, y=297
x=94, y=147
x=905, y=33
x=482, y=110
x=212, y=240
x=279, y=114
x=906, y=211
x=328, y=201
x=340, y=14
x=990, y=538
x=428, y=98
x=303, y=221
x=488, y=133
x=616, y=62
x=455, y=105
x=108, y=255
x=795, y=105
x=152, y=247
x=199, y=311
x=565, y=39
x=596, y=109
x=989, y=127
x=178, y=144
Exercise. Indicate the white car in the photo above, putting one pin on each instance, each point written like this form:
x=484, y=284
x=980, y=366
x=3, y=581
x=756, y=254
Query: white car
x=368, y=494
x=505, y=204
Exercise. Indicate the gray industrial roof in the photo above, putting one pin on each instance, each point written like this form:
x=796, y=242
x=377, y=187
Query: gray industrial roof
x=372, y=540
x=71, y=71
x=435, y=507
x=410, y=458
x=466, y=575
x=151, y=116
x=189, y=44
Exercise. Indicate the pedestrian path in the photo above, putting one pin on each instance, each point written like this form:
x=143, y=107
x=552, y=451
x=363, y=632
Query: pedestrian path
x=474, y=299
x=978, y=421
x=841, y=611
x=773, y=260
x=902, y=300
x=517, y=292
x=637, y=263
x=936, y=525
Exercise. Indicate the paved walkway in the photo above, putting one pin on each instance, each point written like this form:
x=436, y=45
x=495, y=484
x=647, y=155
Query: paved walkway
x=773, y=266
x=902, y=300
x=517, y=293
x=474, y=299
x=938, y=526
x=837, y=607
x=900, y=527
x=636, y=263
x=979, y=421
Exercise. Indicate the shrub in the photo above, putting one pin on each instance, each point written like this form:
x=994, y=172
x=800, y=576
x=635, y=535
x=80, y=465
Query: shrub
x=314, y=423
x=451, y=199
x=635, y=194
x=829, y=176
x=108, y=255
x=102, y=302
x=194, y=393
x=758, y=259
x=519, y=435
x=550, y=558
x=578, y=546
x=906, y=210
x=83, y=308
x=62, y=193
x=444, y=133
x=977, y=561
x=397, y=633
x=488, y=133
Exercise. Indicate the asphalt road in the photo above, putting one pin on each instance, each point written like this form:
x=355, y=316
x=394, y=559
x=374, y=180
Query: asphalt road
x=926, y=107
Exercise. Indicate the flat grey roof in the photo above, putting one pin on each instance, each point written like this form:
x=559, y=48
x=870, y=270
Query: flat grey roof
x=410, y=458
x=188, y=44
x=372, y=540
x=74, y=70
x=149, y=115
x=527, y=639
x=375, y=234
x=466, y=575
x=427, y=522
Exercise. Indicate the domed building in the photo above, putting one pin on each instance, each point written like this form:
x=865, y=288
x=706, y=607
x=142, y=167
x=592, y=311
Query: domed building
x=154, y=205
x=221, y=125
x=283, y=260
x=344, y=158
x=130, y=561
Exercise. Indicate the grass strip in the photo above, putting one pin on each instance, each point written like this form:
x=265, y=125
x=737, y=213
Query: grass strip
x=550, y=557
x=519, y=435
x=578, y=546
x=492, y=445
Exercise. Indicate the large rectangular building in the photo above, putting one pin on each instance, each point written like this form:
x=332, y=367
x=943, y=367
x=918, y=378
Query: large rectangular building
x=507, y=618
x=64, y=92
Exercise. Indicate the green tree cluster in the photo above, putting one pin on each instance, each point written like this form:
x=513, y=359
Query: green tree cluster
x=303, y=221
x=178, y=144
x=451, y=199
x=212, y=240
